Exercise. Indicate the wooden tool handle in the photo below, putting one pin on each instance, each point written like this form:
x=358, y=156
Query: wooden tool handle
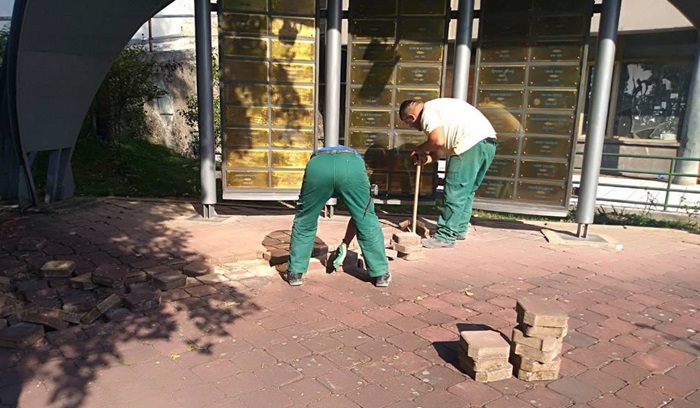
x=415, y=198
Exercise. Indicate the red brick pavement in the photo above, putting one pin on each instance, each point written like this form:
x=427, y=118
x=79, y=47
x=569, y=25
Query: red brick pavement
x=339, y=342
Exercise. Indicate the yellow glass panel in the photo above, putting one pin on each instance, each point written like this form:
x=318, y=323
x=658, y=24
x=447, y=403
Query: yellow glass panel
x=293, y=138
x=246, y=94
x=505, y=99
x=287, y=179
x=247, y=179
x=543, y=193
x=292, y=95
x=245, y=116
x=374, y=51
x=425, y=95
x=508, y=145
x=555, y=75
x=371, y=96
x=496, y=189
x=363, y=140
x=372, y=8
x=433, y=7
x=246, y=158
x=373, y=28
x=556, y=52
x=422, y=29
x=244, y=47
x=502, y=167
x=292, y=118
x=504, y=54
x=246, y=138
x=290, y=158
x=423, y=52
x=372, y=75
x=370, y=118
x=299, y=7
x=549, y=124
x=297, y=73
x=419, y=75
x=544, y=170
x=293, y=50
x=502, y=120
x=245, y=70
x=293, y=27
x=502, y=75
x=242, y=24
x=409, y=140
x=547, y=146
x=245, y=5
x=552, y=99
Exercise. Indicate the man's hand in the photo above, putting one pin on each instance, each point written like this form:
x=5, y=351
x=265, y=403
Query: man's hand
x=421, y=158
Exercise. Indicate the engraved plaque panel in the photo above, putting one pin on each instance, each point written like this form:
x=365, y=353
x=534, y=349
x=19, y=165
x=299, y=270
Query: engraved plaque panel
x=371, y=8
x=543, y=170
x=370, y=118
x=244, y=47
x=287, y=179
x=375, y=75
x=246, y=158
x=371, y=96
x=363, y=140
x=255, y=71
x=246, y=138
x=541, y=193
x=556, y=52
x=405, y=184
x=246, y=116
x=245, y=5
x=502, y=167
x=409, y=140
x=298, y=73
x=516, y=29
x=507, y=145
x=551, y=100
x=408, y=75
x=293, y=51
x=421, y=52
x=293, y=159
x=403, y=94
x=292, y=118
x=293, y=27
x=374, y=28
x=557, y=76
x=241, y=24
x=549, y=124
x=557, y=27
x=496, y=189
x=374, y=51
x=299, y=7
x=398, y=124
x=292, y=95
x=547, y=146
x=296, y=138
x=502, y=75
x=505, y=98
x=422, y=29
x=436, y=7
x=502, y=120
x=504, y=54
x=561, y=6
x=247, y=179
x=246, y=94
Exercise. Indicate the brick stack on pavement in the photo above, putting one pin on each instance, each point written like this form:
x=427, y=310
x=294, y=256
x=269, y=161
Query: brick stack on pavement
x=407, y=245
x=484, y=355
x=538, y=339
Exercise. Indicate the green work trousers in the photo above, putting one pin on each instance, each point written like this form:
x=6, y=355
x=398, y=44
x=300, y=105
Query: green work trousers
x=341, y=175
x=465, y=172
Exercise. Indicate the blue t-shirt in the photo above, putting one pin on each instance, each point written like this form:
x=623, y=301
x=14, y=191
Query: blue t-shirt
x=331, y=148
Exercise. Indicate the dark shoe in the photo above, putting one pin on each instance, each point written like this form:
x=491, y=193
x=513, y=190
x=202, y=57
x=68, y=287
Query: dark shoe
x=432, y=243
x=294, y=279
x=383, y=281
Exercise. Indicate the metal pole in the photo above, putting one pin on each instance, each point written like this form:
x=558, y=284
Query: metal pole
x=460, y=78
x=333, y=58
x=690, y=136
x=600, y=103
x=205, y=105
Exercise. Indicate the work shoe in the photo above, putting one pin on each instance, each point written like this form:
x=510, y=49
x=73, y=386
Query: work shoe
x=294, y=279
x=383, y=280
x=462, y=237
x=340, y=254
x=432, y=243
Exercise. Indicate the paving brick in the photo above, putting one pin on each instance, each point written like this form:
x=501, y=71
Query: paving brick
x=5, y=284
x=142, y=300
x=469, y=364
x=536, y=312
x=406, y=238
x=474, y=394
x=196, y=268
x=528, y=364
x=21, y=335
x=58, y=269
x=642, y=396
x=537, y=355
x=212, y=278
x=305, y=391
x=201, y=291
x=52, y=318
x=544, y=397
x=546, y=375
x=625, y=371
x=31, y=243
x=538, y=331
x=372, y=395
x=117, y=276
x=484, y=344
x=491, y=375
x=342, y=381
x=578, y=391
x=169, y=280
x=412, y=256
x=543, y=343
x=83, y=282
x=602, y=381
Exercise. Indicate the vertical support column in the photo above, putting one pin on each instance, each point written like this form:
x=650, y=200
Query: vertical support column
x=59, y=178
x=333, y=58
x=600, y=103
x=205, y=105
x=460, y=78
x=690, y=135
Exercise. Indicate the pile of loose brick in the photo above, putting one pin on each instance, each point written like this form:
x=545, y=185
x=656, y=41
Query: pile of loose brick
x=407, y=246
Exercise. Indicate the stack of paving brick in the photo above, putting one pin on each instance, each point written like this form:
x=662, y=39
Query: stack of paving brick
x=484, y=355
x=538, y=339
x=407, y=245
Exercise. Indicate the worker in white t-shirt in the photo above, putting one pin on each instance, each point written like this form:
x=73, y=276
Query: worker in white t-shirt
x=460, y=131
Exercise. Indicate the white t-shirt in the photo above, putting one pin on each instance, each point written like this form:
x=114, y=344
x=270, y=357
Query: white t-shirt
x=464, y=125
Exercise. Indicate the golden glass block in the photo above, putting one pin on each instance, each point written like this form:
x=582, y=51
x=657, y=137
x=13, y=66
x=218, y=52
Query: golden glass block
x=372, y=75
x=299, y=7
x=549, y=124
x=364, y=140
x=405, y=184
x=422, y=29
x=565, y=100
x=370, y=118
x=374, y=51
x=293, y=50
x=244, y=47
x=515, y=29
x=508, y=145
x=247, y=179
x=542, y=193
x=296, y=73
x=557, y=52
x=502, y=167
x=560, y=26
x=419, y=75
x=287, y=179
x=544, y=170
x=502, y=75
x=293, y=138
x=373, y=28
x=243, y=116
x=504, y=54
x=244, y=5
x=372, y=8
x=292, y=95
x=502, y=120
x=293, y=27
x=246, y=138
x=292, y=118
x=243, y=24
x=422, y=52
x=559, y=148
x=255, y=71
x=506, y=99
x=407, y=141
x=245, y=94
x=398, y=123
x=294, y=159
x=371, y=96
x=424, y=95
x=246, y=158
x=555, y=75
x=496, y=189
x=435, y=7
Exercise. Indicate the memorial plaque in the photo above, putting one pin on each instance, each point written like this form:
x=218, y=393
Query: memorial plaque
x=543, y=170
x=372, y=8
x=562, y=6
x=551, y=100
x=419, y=75
x=298, y=95
x=246, y=138
x=259, y=6
x=512, y=29
x=409, y=140
x=421, y=52
x=507, y=6
x=558, y=27
x=374, y=28
x=506, y=99
x=496, y=189
x=425, y=95
x=502, y=120
x=244, y=47
x=300, y=73
x=299, y=7
x=374, y=75
x=405, y=184
x=255, y=71
x=242, y=24
x=292, y=118
x=287, y=179
x=247, y=179
x=294, y=159
x=293, y=138
x=246, y=94
x=245, y=116
x=377, y=156
x=556, y=52
x=507, y=145
x=422, y=29
x=293, y=50
x=246, y=158
x=438, y=7
x=398, y=123
x=370, y=118
x=293, y=27
x=374, y=51
x=381, y=179
x=504, y=54
x=371, y=96
x=502, y=167
x=502, y=75
x=555, y=75
x=549, y=124
x=554, y=194
x=547, y=146
x=363, y=140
